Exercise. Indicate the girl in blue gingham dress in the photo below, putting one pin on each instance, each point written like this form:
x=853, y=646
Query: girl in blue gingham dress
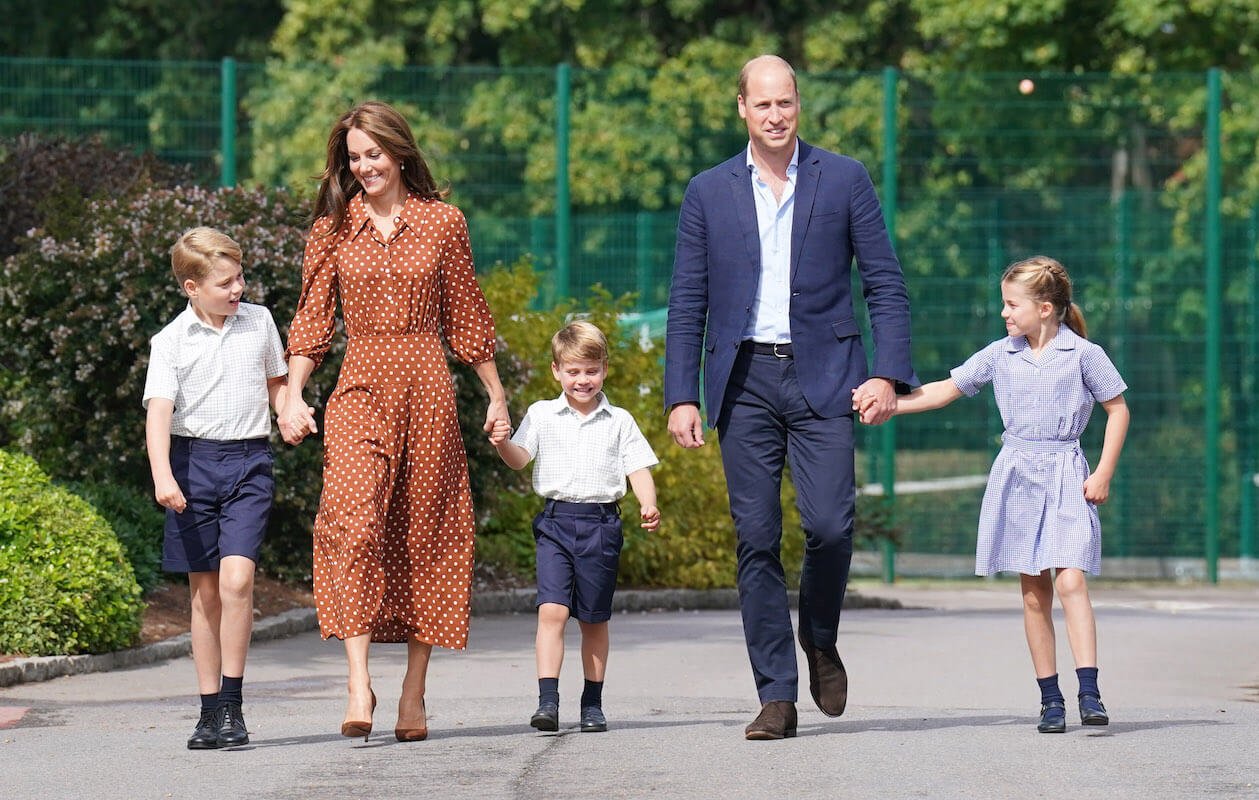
x=1039, y=514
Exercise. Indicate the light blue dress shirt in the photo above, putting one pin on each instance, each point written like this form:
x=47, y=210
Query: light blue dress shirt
x=771, y=320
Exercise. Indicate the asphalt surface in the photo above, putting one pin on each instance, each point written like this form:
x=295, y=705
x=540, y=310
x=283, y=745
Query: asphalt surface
x=942, y=704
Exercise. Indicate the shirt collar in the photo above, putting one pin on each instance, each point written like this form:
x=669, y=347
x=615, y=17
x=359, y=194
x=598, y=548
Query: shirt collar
x=190, y=321
x=791, y=166
x=411, y=214
x=1064, y=339
x=560, y=405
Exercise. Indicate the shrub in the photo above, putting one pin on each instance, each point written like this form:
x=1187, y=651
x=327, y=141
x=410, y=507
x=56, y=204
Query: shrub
x=65, y=586
x=136, y=521
x=50, y=180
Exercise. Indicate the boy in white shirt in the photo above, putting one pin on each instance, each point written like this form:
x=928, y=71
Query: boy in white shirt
x=585, y=449
x=212, y=373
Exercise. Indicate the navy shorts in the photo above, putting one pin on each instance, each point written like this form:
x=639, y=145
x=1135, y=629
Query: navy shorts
x=229, y=488
x=579, y=550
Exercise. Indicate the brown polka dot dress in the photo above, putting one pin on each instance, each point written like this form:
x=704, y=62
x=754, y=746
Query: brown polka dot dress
x=394, y=532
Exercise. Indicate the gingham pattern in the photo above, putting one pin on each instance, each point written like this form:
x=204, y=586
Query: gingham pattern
x=582, y=460
x=1034, y=515
x=217, y=379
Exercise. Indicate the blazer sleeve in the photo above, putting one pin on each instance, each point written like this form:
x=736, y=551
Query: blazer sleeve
x=688, y=303
x=883, y=285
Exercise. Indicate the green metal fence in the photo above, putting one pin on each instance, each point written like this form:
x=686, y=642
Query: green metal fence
x=1129, y=180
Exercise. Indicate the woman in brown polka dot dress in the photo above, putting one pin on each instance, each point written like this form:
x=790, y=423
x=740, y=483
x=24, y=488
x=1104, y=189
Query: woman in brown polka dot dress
x=394, y=533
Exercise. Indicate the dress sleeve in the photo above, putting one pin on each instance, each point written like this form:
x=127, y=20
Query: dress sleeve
x=977, y=371
x=310, y=334
x=1100, y=376
x=467, y=325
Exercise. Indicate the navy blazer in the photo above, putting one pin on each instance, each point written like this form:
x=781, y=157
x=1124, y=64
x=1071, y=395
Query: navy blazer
x=716, y=272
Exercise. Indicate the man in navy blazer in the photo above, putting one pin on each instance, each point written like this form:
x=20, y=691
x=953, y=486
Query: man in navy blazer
x=761, y=296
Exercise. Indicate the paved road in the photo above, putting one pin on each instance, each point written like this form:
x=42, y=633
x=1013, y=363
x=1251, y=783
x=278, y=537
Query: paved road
x=942, y=705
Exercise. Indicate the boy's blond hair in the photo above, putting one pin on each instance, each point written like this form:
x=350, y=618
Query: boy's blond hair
x=195, y=252
x=579, y=341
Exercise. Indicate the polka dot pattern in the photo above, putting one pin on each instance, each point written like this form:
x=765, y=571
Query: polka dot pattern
x=394, y=532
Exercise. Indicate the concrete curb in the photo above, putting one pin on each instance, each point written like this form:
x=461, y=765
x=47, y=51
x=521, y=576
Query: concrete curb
x=301, y=620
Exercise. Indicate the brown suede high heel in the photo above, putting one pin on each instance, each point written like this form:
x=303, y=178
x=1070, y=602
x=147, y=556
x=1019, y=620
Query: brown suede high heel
x=417, y=734
x=355, y=728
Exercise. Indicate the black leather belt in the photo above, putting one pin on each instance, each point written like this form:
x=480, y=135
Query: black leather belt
x=777, y=350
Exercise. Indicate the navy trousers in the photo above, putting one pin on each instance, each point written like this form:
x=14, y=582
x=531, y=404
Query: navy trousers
x=766, y=423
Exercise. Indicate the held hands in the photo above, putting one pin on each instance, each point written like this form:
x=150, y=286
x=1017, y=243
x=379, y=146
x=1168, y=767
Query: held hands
x=496, y=419
x=296, y=422
x=500, y=432
x=874, y=401
x=651, y=517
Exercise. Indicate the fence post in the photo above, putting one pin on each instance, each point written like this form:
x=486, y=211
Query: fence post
x=1123, y=260
x=888, y=434
x=1214, y=314
x=642, y=257
x=1250, y=397
x=563, y=211
x=227, y=122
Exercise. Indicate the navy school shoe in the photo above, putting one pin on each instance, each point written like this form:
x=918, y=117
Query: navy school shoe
x=1053, y=717
x=592, y=720
x=547, y=717
x=1092, y=712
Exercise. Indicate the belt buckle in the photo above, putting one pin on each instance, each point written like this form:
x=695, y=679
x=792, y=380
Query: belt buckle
x=778, y=354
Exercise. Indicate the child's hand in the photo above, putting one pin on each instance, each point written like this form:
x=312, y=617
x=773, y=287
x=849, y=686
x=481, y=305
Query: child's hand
x=501, y=432
x=651, y=517
x=1097, y=489
x=169, y=495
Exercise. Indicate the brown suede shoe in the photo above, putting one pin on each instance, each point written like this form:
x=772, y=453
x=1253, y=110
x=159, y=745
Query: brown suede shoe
x=828, y=680
x=777, y=720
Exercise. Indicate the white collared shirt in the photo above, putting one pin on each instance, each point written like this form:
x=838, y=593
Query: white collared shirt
x=582, y=459
x=217, y=378
x=771, y=319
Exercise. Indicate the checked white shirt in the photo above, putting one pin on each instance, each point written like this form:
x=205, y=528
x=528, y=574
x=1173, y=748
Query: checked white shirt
x=582, y=459
x=217, y=379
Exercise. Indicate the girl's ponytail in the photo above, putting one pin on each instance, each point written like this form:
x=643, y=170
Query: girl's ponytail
x=1074, y=319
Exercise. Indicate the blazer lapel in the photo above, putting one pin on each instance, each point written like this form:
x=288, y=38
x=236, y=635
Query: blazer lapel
x=745, y=209
x=807, y=174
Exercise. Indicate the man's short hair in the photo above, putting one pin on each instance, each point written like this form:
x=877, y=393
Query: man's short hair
x=747, y=68
x=579, y=341
x=195, y=252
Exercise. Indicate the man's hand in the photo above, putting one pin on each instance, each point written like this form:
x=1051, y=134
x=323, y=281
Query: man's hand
x=685, y=425
x=875, y=401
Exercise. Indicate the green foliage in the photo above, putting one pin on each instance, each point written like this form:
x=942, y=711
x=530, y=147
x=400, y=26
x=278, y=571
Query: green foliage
x=65, y=585
x=58, y=177
x=137, y=523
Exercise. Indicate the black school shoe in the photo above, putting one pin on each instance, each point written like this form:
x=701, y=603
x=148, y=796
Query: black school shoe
x=231, y=730
x=547, y=717
x=592, y=720
x=1092, y=712
x=1053, y=717
x=206, y=734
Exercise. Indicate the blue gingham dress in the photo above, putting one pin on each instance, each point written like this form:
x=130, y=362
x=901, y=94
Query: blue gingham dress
x=1034, y=516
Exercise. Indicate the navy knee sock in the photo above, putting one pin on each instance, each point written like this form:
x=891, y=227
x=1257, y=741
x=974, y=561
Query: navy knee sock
x=1088, y=681
x=1049, y=690
x=231, y=689
x=549, y=690
x=592, y=695
x=209, y=702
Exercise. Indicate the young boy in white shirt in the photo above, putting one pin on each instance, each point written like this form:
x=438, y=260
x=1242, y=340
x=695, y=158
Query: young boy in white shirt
x=584, y=450
x=213, y=372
